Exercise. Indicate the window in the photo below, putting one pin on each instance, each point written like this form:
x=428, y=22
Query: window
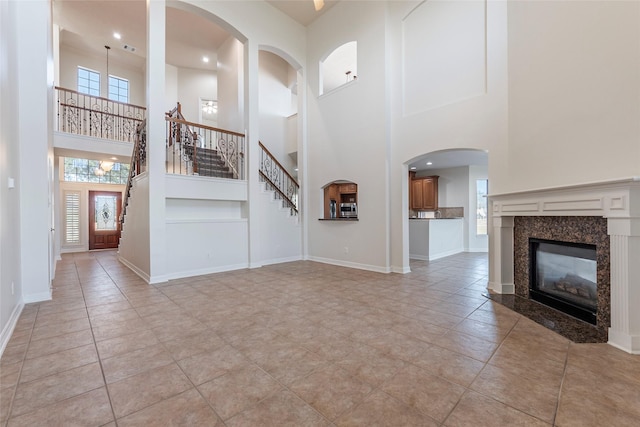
x=72, y=217
x=118, y=89
x=482, y=189
x=95, y=171
x=88, y=81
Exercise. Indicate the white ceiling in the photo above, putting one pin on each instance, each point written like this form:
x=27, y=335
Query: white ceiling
x=88, y=26
x=450, y=159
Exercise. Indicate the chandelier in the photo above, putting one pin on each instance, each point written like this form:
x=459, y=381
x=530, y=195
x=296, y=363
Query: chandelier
x=209, y=106
x=103, y=168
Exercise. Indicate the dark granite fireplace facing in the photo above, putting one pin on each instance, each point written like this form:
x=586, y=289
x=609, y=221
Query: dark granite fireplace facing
x=572, y=229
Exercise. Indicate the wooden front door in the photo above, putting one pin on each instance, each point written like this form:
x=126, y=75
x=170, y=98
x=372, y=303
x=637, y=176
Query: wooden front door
x=104, y=224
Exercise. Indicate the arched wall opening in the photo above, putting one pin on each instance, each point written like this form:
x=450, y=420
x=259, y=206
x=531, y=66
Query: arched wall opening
x=447, y=186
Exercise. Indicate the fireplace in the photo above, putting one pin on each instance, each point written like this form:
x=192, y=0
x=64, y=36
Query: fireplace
x=563, y=275
x=605, y=214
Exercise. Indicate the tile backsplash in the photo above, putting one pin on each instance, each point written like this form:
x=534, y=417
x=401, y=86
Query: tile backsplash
x=455, y=212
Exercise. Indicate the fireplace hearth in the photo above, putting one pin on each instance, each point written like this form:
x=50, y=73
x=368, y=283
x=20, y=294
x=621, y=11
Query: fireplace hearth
x=563, y=275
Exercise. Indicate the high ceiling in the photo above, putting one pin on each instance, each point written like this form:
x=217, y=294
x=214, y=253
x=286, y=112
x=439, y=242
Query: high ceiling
x=450, y=159
x=89, y=25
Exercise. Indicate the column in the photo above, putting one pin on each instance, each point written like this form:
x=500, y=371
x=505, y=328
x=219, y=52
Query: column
x=624, y=332
x=501, y=253
x=156, y=135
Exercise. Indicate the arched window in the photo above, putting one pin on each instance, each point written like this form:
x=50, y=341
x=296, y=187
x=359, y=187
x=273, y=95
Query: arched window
x=339, y=68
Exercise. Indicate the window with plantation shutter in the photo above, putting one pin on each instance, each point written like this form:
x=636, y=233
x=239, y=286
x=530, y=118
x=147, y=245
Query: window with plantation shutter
x=72, y=217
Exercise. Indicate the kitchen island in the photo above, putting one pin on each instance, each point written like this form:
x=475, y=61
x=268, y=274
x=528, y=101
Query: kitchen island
x=432, y=238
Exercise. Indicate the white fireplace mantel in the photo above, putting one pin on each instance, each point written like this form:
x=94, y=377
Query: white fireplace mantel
x=619, y=202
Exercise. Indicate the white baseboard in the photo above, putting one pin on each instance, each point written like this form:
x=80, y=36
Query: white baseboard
x=419, y=257
x=199, y=272
x=5, y=336
x=39, y=297
x=401, y=270
x=144, y=276
x=476, y=250
x=502, y=288
x=349, y=264
x=282, y=260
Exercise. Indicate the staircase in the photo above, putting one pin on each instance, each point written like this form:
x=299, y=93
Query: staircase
x=277, y=179
x=208, y=162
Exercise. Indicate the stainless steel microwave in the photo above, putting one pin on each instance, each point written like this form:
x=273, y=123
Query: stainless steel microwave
x=348, y=210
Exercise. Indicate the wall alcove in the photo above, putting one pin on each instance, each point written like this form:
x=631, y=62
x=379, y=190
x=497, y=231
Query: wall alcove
x=340, y=201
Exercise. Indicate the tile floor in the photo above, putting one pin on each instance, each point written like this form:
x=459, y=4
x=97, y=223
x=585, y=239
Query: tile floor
x=301, y=344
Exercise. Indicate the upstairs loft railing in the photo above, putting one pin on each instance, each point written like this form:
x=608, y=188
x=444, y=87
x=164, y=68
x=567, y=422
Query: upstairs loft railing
x=138, y=163
x=97, y=117
x=278, y=179
x=195, y=149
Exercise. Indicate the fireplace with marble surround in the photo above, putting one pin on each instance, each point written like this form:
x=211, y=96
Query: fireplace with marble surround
x=563, y=275
x=604, y=216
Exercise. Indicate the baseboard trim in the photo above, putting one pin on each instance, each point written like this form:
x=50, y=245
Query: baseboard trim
x=7, y=331
x=282, y=260
x=349, y=264
x=199, y=272
x=39, y=297
x=144, y=276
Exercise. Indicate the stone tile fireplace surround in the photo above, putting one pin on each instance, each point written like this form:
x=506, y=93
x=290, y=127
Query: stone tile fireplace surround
x=576, y=214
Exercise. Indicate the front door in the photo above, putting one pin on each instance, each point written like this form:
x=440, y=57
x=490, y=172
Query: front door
x=104, y=224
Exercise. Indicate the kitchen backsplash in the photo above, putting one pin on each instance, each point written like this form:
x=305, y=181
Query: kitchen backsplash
x=457, y=212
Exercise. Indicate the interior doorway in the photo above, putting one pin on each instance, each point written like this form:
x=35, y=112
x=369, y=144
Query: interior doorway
x=104, y=226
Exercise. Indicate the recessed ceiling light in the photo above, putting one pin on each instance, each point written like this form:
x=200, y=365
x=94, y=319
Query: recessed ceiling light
x=296, y=169
x=413, y=168
x=117, y=36
x=205, y=59
x=114, y=158
x=429, y=163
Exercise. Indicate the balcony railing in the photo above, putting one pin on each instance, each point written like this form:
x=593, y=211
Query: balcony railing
x=97, y=117
x=195, y=149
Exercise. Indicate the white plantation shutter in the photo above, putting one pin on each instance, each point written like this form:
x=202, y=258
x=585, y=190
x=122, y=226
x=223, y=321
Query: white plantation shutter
x=72, y=216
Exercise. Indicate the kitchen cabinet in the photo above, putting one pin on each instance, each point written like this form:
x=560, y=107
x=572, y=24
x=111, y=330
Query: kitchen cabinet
x=348, y=188
x=339, y=193
x=424, y=193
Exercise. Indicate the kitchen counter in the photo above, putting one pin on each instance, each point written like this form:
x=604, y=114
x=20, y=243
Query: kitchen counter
x=433, y=238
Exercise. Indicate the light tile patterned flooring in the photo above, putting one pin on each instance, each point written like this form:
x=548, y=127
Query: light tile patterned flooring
x=301, y=344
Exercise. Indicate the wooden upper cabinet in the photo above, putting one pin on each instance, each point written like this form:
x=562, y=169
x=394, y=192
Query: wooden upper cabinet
x=348, y=188
x=424, y=193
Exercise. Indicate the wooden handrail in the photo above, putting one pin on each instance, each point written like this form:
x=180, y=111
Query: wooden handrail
x=184, y=122
x=278, y=163
x=98, y=97
x=275, y=187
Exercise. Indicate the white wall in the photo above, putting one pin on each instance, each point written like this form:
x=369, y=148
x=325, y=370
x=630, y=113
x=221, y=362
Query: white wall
x=275, y=106
x=574, y=81
x=171, y=86
x=35, y=141
x=470, y=119
x=205, y=236
x=348, y=138
x=231, y=86
x=71, y=58
x=193, y=85
x=10, y=242
x=134, y=242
